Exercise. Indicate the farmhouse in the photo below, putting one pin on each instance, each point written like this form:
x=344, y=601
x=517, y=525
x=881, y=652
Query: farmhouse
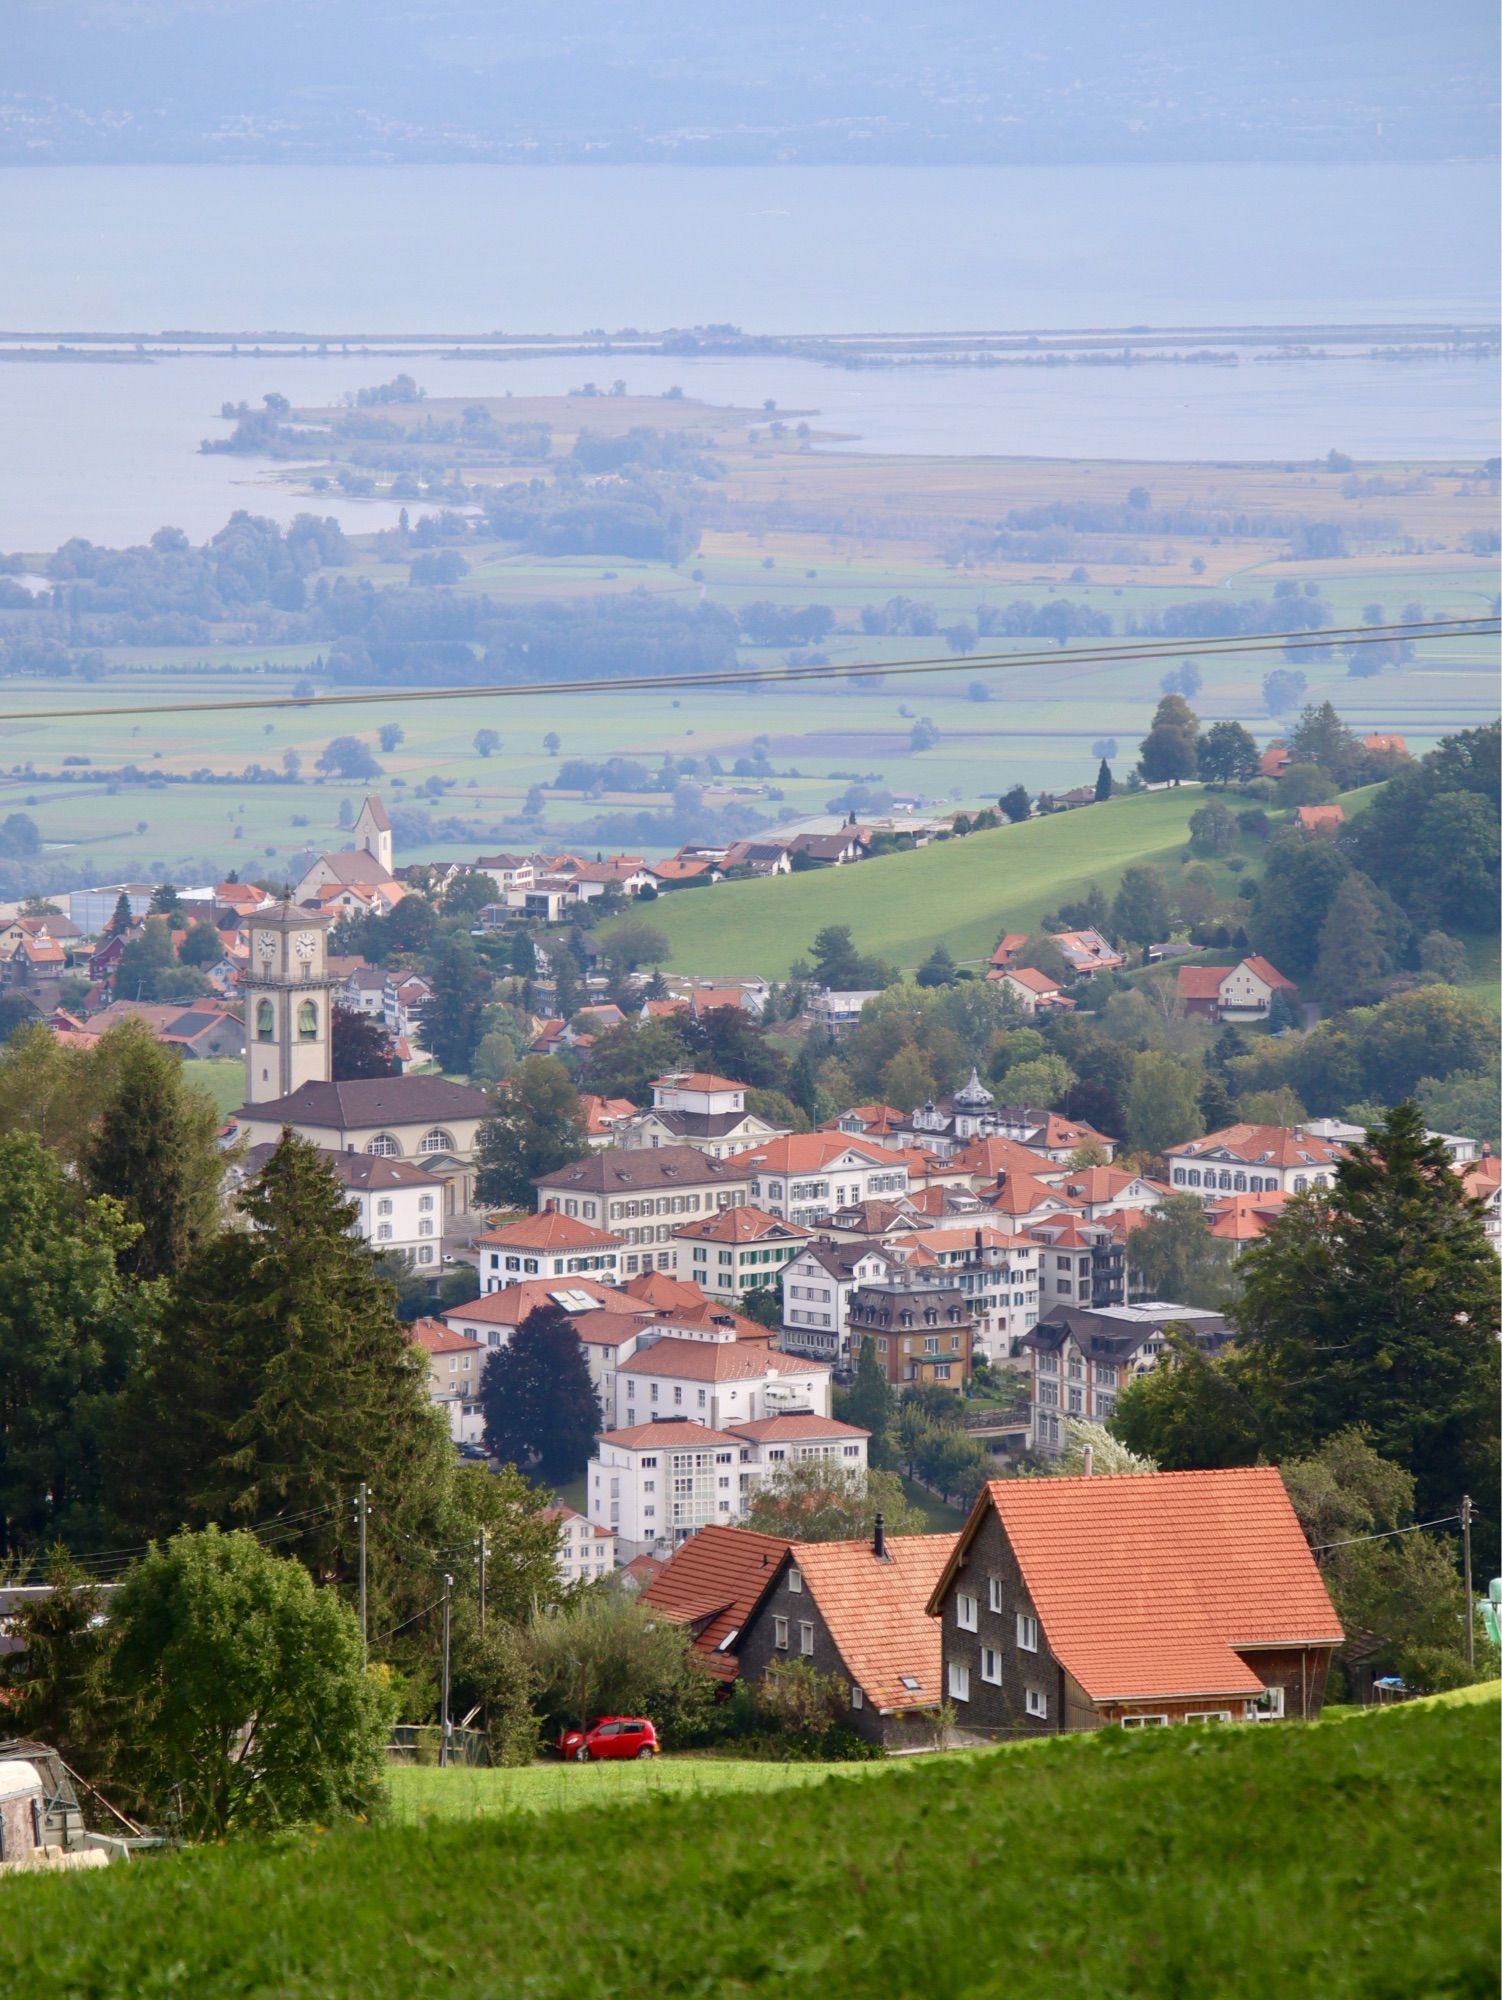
x=1141, y=1600
x=859, y=1611
x=1242, y=992
x=709, y=1583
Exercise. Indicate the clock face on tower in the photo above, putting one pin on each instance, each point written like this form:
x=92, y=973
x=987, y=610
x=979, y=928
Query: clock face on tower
x=265, y=946
x=306, y=946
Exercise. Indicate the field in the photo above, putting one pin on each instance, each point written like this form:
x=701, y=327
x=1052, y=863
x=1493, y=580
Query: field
x=957, y=893
x=421, y=1793
x=790, y=522
x=1354, y=1860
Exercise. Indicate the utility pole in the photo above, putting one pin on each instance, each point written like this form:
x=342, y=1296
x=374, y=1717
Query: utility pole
x=362, y=1508
x=483, y=1539
x=1470, y=1595
x=443, y=1740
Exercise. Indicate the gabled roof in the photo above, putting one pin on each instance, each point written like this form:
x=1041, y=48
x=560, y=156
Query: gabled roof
x=719, y=1361
x=376, y=813
x=353, y=867
x=658, y=1290
x=801, y=1424
x=1149, y=1586
x=665, y=1434
x=710, y=1582
x=550, y=1230
x=1316, y=816
x=436, y=1338
x=1261, y=1145
x=806, y=1153
x=614, y=1170
x=741, y=1225
x=1200, y=982
x=695, y=1079
x=876, y=1612
x=376, y=1100
x=1030, y=977
x=988, y=1159
x=1241, y=1218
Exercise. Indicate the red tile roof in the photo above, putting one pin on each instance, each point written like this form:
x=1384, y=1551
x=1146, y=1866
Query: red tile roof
x=1034, y=980
x=719, y=1360
x=549, y=1230
x=510, y=1305
x=807, y=1153
x=1201, y=982
x=877, y=1613
x=1261, y=1145
x=1315, y=816
x=657, y=1289
x=988, y=1159
x=741, y=1225
x=436, y=1338
x=1265, y=969
x=710, y=1582
x=659, y=1436
x=1146, y=1586
x=695, y=1079
x=804, y=1424
x=1241, y=1218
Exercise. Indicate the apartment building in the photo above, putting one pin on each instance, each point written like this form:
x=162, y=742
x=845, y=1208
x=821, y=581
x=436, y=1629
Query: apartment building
x=804, y=1176
x=642, y=1197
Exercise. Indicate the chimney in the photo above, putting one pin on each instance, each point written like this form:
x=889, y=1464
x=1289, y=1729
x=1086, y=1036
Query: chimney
x=879, y=1538
x=1088, y=1454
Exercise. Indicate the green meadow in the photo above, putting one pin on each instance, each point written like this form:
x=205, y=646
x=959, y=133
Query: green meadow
x=1355, y=1861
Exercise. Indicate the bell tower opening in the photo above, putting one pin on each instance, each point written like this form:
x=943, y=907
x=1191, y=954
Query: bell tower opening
x=289, y=1003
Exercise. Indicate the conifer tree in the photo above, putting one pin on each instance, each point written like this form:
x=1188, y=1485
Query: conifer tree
x=1104, y=782
x=281, y=1379
x=872, y=1403
x=153, y=1149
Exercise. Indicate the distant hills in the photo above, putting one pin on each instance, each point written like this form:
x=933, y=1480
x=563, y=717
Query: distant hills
x=653, y=80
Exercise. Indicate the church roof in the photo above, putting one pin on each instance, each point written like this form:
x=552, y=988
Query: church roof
x=352, y=866
x=374, y=1100
x=377, y=814
x=974, y=1095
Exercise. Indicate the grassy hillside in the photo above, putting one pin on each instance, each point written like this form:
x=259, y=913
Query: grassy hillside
x=1341, y=1861
x=959, y=893
x=422, y=1792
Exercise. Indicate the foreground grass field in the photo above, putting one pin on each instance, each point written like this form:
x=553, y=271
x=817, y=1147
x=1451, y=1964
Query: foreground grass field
x=1346, y=1861
x=956, y=893
x=420, y=1793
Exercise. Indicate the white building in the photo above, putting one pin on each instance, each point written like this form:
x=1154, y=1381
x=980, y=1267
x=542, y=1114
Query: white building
x=737, y=1251
x=805, y=1176
x=716, y=1379
x=659, y=1482
x=1252, y=1159
x=996, y=1271
x=694, y=1108
x=839, y=1010
x=816, y=1288
x=585, y=1552
x=642, y=1197
x=455, y=1363
x=548, y=1245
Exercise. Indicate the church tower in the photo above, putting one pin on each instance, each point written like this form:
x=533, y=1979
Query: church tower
x=371, y=833
x=289, y=1002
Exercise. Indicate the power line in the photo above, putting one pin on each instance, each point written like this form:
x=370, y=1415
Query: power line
x=1484, y=625
x=1319, y=1548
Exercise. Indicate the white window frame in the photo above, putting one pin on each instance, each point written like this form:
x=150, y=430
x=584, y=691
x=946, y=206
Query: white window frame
x=780, y=1634
x=805, y=1638
x=857, y=1697
x=990, y=1658
x=1027, y=1632
x=966, y=1611
x=1144, y=1722
x=1035, y=1702
x=959, y=1681
x=795, y=1578
x=1208, y=1715
x=993, y=1590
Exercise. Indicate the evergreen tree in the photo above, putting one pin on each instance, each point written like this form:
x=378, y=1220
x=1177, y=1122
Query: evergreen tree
x=153, y=1149
x=282, y=1378
x=1377, y=1304
x=453, y=1017
x=871, y=1402
x=166, y=902
x=120, y=923
x=537, y=1129
x=1016, y=804
x=938, y=969
x=67, y=1330
x=541, y=1411
x=1104, y=782
x=1353, y=955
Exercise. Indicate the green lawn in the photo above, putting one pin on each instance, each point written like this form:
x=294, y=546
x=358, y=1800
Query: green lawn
x=420, y=1793
x=939, y=1518
x=960, y=893
x=1355, y=1863
x=223, y=1078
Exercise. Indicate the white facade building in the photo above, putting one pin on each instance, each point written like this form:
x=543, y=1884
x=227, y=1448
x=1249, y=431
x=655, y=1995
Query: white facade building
x=806, y=1176
x=816, y=1288
x=585, y=1552
x=657, y=1483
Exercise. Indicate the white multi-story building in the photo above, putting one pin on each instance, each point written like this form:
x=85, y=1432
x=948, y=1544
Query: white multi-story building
x=694, y=1108
x=398, y=1205
x=548, y=1245
x=737, y=1251
x=717, y=1379
x=816, y=1288
x=455, y=1364
x=643, y=1197
x=996, y=1271
x=1081, y=1361
x=585, y=1552
x=1253, y=1159
x=657, y=1483
x=805, y=1176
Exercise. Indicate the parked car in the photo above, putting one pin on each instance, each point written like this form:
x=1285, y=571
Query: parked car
x=610, y=1736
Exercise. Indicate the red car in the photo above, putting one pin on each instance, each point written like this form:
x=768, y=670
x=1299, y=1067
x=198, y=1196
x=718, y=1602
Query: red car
x=610, y=1736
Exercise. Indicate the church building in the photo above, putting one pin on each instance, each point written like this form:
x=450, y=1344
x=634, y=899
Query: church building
x=289, y=1076
x=366, y=862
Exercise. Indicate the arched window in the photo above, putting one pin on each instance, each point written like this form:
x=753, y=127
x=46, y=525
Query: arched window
x=436, y=1141
x=307, y=1021
x=265, y=1021
x=384, y=1145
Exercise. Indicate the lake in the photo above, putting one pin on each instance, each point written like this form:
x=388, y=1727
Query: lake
x=110, y=451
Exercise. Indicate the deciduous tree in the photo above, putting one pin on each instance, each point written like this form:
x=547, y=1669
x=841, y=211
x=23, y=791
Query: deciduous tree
x=541, y=1410
x=537, y=1128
